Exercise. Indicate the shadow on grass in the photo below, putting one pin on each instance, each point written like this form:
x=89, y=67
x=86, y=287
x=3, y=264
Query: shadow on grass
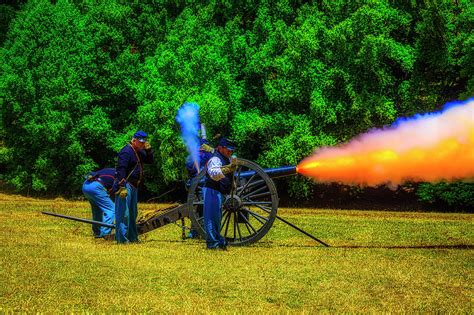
x=177, y=241
x=457, y=246
x=194, y=242
x=454, y=246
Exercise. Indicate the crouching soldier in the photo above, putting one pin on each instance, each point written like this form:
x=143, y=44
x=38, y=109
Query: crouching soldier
x=98, y=188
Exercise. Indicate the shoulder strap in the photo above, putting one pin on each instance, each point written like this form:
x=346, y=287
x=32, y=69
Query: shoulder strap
x=138, y=162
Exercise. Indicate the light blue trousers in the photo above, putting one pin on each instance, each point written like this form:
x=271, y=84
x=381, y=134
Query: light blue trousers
x=212, y=218
x=102, y=206
x=126, y=216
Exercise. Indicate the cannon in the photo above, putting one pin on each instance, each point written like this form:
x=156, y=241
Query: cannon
x=248, y=212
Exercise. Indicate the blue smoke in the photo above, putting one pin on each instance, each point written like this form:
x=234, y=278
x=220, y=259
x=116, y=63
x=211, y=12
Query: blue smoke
x=188, y=119
x=457, y=103
x=447, y=106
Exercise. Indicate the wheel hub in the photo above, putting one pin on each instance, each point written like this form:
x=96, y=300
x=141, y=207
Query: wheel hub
x=232, y=203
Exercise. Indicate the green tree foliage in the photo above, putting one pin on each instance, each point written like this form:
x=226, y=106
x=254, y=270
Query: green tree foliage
x=8, y=10
x=192, y=64
x=43, y=96
x=457, y=196
x=281, y=77
x=67, y=98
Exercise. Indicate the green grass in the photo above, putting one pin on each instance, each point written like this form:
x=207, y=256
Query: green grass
x=378, y=261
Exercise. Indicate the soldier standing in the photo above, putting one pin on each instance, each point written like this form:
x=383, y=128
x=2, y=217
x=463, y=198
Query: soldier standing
x=218, y=182
x=129, y=177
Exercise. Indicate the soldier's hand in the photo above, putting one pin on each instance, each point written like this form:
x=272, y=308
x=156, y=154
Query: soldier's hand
x=147, y=145
x=122, y=192
x=229, y=168
x=207, y=148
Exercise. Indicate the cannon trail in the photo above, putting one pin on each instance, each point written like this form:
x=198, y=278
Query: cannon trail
x=429, y=147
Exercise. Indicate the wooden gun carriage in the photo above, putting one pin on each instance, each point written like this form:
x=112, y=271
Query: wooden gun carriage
x=248, y=212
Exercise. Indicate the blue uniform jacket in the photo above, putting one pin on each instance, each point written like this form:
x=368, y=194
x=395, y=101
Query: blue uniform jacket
x=104, y=176
x=130, y=165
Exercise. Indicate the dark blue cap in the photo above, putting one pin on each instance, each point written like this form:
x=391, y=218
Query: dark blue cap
x=140, y=135
x=228, y=143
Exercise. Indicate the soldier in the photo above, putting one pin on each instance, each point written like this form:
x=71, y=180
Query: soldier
x=218, y=181
x=204, y=154
x=98, y=189
x=129, y=177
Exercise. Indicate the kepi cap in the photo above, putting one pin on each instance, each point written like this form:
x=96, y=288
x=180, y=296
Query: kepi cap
x=228, y=143
x=140, y=135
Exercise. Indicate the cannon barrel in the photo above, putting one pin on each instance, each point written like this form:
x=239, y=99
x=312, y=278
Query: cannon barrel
x=276, y=172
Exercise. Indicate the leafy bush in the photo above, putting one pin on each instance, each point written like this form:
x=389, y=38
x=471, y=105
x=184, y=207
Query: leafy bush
x=457, y=196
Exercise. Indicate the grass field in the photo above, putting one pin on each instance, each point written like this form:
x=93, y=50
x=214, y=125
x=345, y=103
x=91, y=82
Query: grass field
x=378, y=261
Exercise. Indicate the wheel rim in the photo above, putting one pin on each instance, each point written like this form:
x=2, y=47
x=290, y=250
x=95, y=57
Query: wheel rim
x=248, y=212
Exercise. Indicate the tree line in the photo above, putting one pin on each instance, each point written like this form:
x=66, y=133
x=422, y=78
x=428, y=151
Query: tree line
x=281, y=77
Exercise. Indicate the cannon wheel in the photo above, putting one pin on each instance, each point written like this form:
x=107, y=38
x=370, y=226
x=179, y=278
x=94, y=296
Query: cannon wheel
x=248, y=211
